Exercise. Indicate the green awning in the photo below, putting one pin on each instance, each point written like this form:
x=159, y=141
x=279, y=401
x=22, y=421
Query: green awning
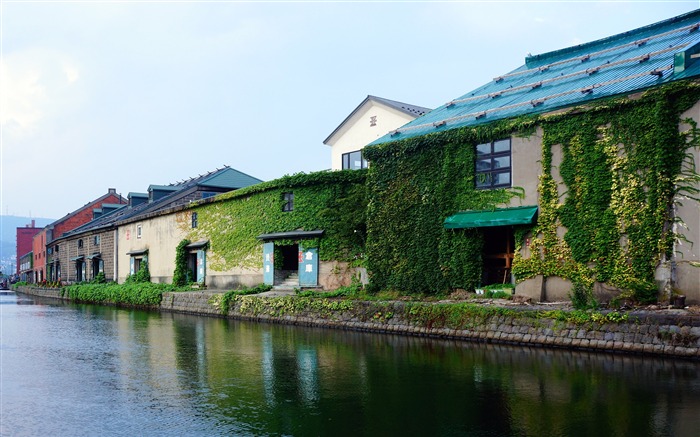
x=519, y=215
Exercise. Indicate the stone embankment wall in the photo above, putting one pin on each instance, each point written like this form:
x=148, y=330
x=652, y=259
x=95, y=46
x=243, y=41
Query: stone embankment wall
x=672, y=333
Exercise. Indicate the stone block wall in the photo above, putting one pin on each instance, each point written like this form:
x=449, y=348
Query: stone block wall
x=672, y=333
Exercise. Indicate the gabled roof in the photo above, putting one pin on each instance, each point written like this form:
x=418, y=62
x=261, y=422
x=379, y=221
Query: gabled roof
x=411, y=110
x=618, y=65
x=219, y=180
x=89, y=205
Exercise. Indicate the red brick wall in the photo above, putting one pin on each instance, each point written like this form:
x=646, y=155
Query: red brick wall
x=25, y=242
x=82, y=216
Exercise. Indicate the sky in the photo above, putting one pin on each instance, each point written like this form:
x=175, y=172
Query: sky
x=125, y=94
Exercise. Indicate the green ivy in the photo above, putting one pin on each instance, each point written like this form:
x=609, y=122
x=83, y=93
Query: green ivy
x=623, y=161
x=331, y=201
x=180, y=275
x=414, y=185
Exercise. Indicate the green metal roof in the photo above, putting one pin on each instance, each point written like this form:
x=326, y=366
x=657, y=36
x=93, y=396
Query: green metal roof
x=617, y=65
x=520, y=215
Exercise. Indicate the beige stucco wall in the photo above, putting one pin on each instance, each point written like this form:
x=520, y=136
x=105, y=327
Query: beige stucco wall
x=526, y=164
x=160, y=235
x=687, y=253
x=357, y=132
x=683, y=269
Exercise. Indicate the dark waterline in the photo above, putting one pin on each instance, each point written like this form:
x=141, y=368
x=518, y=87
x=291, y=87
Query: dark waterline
x=72, y=370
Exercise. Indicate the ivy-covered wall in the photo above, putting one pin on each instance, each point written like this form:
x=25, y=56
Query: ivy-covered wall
x=413, y=186
x=331, y=201
x=624, y=162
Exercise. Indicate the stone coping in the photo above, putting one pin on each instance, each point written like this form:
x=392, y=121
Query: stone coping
x=669, y=333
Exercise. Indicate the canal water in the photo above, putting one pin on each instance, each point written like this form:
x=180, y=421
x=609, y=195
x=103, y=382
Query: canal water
x=85, y=370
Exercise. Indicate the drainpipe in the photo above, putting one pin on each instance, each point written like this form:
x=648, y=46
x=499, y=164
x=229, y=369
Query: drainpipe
x=115, y=256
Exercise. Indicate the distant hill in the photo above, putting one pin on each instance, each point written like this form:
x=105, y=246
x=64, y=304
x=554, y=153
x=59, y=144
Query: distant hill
x=8, y=238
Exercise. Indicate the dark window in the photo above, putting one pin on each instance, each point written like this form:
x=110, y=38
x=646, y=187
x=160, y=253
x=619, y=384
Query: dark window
x=80, y=243
x=194, y=220
x=96, y=240
x=493, y=167
x=354, y=161
x=56, y=249
x=288, y=199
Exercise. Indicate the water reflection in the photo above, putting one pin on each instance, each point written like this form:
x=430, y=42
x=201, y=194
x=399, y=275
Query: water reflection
x=89, y=368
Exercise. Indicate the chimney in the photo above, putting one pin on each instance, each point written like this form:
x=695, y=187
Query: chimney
x=112, y=191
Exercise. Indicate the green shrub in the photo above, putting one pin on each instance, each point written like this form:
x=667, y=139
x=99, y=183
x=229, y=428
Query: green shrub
x=123, y=294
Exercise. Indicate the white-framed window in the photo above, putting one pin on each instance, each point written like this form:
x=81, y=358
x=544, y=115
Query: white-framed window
x=138, y=231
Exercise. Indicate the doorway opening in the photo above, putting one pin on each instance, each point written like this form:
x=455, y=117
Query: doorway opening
x=499, y=250
x=287, y=265
x=191, y=275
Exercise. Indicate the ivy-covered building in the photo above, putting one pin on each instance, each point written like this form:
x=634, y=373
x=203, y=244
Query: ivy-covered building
x=303, y=230
x=148, y=235
x=574, y=175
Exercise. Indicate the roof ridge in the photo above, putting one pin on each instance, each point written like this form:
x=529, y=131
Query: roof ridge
x=544, y=58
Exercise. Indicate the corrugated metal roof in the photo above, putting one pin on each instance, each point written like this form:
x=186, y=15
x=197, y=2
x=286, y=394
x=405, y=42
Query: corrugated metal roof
x=229, y=178
x=226, y=177
x=617, y=65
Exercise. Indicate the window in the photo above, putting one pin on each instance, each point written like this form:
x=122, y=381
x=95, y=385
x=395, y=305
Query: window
x=194, y=220
x=96, y=240
x=288, y=199
x=138, y=231
x=56, y=248
x=80, y=243
x=354, y=161
x=493, y=167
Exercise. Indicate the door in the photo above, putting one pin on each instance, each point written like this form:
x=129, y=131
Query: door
x=201, y=266
x=269, y=263
x=308, y=267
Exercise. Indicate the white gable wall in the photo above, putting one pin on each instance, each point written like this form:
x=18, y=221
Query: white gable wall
x=357, y=132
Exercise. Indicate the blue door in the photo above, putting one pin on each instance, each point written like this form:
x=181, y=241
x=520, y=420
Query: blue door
x=269, y=263
x=201, y=266
x=308, y=267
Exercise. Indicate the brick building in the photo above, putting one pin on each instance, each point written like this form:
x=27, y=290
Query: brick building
x=24, y=241
x=46, y=253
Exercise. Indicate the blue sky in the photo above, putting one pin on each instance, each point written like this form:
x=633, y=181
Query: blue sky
x=127, y=94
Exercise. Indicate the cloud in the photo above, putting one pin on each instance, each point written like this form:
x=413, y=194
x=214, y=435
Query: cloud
x=21, y=98
x=37, y=84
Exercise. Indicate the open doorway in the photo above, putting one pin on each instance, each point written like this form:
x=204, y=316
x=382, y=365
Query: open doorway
x=287, y=265
x=499, y=250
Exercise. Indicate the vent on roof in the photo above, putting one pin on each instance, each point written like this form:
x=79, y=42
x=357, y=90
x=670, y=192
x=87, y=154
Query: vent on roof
x=684, y=59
